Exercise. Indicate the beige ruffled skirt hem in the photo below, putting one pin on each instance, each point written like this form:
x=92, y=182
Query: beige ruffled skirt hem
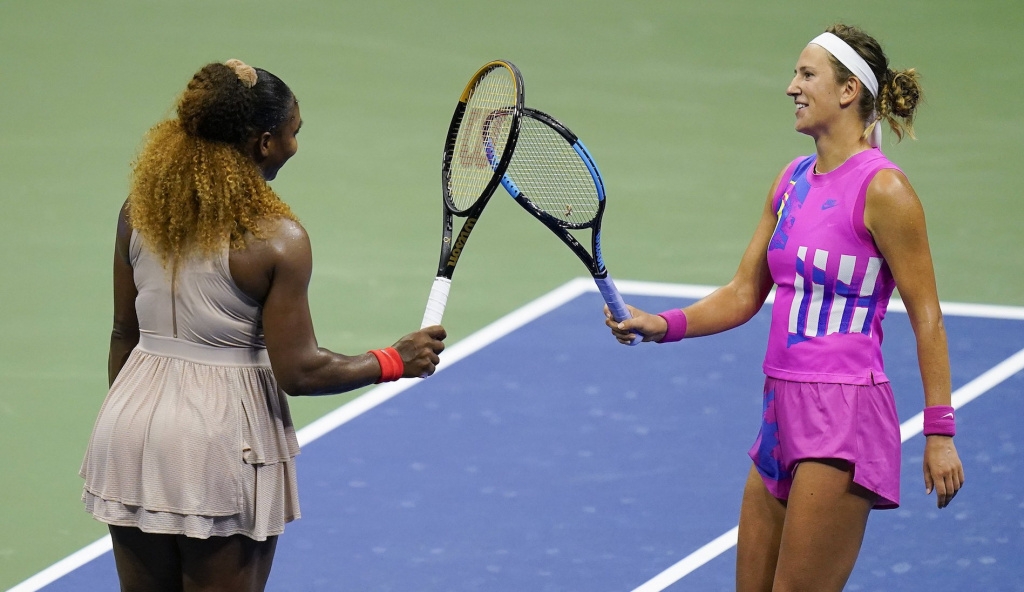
x=274, y=504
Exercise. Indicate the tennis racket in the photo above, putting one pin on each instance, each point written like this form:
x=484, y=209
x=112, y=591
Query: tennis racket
x=477, y=150
x=554, y=178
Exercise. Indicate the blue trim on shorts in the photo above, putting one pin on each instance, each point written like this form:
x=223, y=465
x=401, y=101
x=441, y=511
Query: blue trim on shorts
x=768, y=453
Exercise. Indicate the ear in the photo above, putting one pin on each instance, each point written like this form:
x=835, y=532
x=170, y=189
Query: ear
x=258, y=147
x=849, y=91
x=263, y=144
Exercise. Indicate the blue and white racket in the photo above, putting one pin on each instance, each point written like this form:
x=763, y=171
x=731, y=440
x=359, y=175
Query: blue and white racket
x=554, y=178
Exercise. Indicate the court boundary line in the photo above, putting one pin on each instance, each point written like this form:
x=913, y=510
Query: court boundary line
x=530, y=312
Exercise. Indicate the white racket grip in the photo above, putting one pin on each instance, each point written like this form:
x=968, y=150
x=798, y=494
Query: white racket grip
x=436, y=302
x=615, y=303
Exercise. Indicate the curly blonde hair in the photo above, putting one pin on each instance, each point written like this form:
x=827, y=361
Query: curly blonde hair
x=899, y=91
x=193, y=189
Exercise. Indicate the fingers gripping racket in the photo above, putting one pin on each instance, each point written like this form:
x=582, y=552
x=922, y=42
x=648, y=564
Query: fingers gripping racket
x=477, y=150
x=554, y=178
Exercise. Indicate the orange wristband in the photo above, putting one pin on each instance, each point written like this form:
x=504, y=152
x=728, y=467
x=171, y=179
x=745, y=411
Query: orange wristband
x=391, y=365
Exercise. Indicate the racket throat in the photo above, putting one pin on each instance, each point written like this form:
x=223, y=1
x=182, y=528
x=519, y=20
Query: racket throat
x=460, y=243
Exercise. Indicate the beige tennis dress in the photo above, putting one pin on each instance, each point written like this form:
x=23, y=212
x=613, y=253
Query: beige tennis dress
x=194, y=436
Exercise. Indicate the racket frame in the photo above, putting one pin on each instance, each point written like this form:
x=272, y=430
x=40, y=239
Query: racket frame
x=451, y=245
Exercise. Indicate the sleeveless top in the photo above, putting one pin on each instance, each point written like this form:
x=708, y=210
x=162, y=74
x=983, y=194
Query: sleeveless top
x=199, y=304
x=833, y=284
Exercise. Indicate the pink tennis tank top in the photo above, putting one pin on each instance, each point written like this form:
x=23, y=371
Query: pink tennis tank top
x=833, y=284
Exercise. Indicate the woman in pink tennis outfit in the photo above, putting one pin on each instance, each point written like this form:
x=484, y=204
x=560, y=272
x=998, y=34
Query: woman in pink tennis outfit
x=840, y=230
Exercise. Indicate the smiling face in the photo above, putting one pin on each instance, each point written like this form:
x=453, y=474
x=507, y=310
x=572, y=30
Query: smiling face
x=814, y=91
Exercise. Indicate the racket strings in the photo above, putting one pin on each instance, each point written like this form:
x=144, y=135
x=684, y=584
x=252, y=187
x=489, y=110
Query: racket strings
x=552, y=175
x=481, y=137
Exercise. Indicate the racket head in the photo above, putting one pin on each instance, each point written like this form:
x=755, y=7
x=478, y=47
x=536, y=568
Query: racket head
x=556, y=176
x=553, y=177
x=482, y=136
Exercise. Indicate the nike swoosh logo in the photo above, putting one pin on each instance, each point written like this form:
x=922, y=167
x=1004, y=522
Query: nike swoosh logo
x=949, y=415
x=829, y=204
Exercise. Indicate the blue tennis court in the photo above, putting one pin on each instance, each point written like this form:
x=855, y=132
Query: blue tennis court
x=546, y=457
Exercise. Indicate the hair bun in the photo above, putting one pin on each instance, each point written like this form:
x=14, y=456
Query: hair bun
x=245, y=72
x=906, y=92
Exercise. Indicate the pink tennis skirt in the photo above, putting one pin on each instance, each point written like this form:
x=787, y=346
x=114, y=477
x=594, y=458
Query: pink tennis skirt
x=814, y=420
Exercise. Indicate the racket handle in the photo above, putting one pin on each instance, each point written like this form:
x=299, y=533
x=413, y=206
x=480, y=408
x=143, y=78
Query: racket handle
x=436, y=302
x=615, y=303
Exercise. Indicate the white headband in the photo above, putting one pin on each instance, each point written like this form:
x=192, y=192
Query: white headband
x=848, y=57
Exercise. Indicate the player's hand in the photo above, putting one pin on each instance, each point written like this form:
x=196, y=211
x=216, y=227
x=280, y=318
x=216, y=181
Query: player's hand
x=652, y=327
x=420, y=351
x=943, y=471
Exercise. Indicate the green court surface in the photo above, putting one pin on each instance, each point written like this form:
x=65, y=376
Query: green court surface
x=682, y=104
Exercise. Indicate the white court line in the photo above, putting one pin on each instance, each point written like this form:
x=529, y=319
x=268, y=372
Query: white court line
x=449, y=356
x=65, y=566
x=989, y=311
x=692, y=561
x=528, y=313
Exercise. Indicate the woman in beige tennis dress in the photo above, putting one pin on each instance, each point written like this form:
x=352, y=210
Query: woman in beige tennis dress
x=191, y=458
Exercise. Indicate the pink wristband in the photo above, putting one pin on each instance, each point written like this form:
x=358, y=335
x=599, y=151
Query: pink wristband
x=676, y=320
x=939, y=420
x=391, y=365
